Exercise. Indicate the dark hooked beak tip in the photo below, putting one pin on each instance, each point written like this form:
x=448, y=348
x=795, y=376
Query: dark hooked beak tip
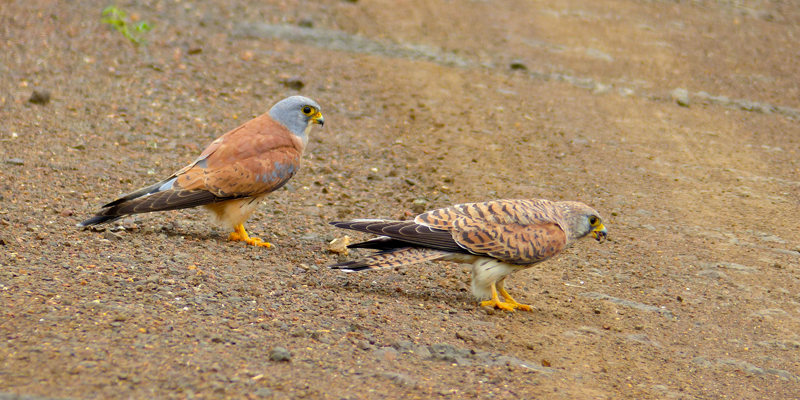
x=319, y=119
x=600, y=234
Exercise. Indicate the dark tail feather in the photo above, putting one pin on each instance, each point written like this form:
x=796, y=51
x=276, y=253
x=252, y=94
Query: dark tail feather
x=159, y=201
x=139, y=193
x=351, y=266
x=99, y=219
x=379, y=243
x=108, y=215
x=391, y=258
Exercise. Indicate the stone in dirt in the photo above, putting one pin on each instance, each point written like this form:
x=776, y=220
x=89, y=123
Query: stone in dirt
x=518, y=65
x=293, y=82
x=40, y=97
x=112, y=236
x=681, y=96
x=280, y=354
x=399, y=379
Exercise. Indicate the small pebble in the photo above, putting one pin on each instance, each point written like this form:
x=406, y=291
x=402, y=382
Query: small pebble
x=280, y=354
x=363, y=345
x=419, y=206
x=40, y=97
x=681, y=96
x=299, y=332
x=294, y=82
x=306, y=23
x=518, y=65
x=111, y=235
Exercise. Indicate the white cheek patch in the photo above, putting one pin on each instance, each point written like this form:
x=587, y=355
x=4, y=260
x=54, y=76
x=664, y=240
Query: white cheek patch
x=309, y=126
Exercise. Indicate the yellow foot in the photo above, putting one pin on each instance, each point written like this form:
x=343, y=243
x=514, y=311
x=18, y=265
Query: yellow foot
x=258, y=242
x=520, y=306
x=509, y=305
x=240, y=235
x=510, y=300
x=499, y=304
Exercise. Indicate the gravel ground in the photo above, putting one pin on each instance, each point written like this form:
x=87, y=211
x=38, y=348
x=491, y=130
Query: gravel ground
x=679, y=122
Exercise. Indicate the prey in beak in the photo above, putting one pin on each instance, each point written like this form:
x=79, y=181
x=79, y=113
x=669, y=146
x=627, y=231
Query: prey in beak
x=600, y=233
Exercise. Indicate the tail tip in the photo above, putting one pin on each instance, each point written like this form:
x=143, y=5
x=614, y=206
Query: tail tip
x=350, y=266
x=96, y=220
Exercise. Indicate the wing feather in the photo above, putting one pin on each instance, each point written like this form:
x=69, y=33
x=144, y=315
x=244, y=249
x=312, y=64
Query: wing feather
x=515, y=231
x=256, y=158
x=514, y=243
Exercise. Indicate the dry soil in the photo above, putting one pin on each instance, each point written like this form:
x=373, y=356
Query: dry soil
x=427, y=103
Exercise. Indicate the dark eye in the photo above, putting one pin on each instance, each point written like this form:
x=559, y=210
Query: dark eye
x=592, y=220
x=306, y=110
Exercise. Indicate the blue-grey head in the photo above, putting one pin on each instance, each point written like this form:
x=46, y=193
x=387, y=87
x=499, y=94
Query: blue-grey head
x=298, y=114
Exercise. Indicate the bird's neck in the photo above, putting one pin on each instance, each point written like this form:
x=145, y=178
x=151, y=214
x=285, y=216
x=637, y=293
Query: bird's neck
x=304, y=135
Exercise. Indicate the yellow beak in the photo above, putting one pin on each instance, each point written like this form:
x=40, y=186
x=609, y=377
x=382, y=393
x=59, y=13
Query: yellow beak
x=318, y=119
x=600, y=233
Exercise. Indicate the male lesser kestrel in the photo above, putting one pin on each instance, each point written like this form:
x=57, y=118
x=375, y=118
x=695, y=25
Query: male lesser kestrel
x=234, y=173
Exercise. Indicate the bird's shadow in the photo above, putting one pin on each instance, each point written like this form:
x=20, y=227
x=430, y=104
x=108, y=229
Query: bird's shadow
x=440, y=295
x=142, y=233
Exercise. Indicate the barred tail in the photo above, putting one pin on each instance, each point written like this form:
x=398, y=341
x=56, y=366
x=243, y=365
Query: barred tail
x=391, y=258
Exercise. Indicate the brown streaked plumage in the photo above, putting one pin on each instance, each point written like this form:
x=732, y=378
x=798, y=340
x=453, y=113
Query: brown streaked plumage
x=497, y=237
x=234, y=173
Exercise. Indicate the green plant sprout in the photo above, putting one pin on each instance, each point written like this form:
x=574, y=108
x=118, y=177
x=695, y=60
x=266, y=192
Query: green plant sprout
x=118, y=19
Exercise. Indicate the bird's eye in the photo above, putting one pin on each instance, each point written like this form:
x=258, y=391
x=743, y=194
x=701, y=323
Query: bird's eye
x=307, y=110
x=593, y=220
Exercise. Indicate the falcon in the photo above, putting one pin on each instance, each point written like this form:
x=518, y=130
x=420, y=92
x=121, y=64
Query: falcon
x=497, y=237
x=233, y=174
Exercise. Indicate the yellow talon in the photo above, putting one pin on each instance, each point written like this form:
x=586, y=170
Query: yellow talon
x=510, y=300
x=508, y=306
x=499, y=304
x=240, y=235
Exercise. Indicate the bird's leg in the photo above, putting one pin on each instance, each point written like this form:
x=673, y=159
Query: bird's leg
x=501, y=289
x=240, y=235
x=495, y=302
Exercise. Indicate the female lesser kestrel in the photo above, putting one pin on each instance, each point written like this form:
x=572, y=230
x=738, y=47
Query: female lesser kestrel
x=497, y=237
